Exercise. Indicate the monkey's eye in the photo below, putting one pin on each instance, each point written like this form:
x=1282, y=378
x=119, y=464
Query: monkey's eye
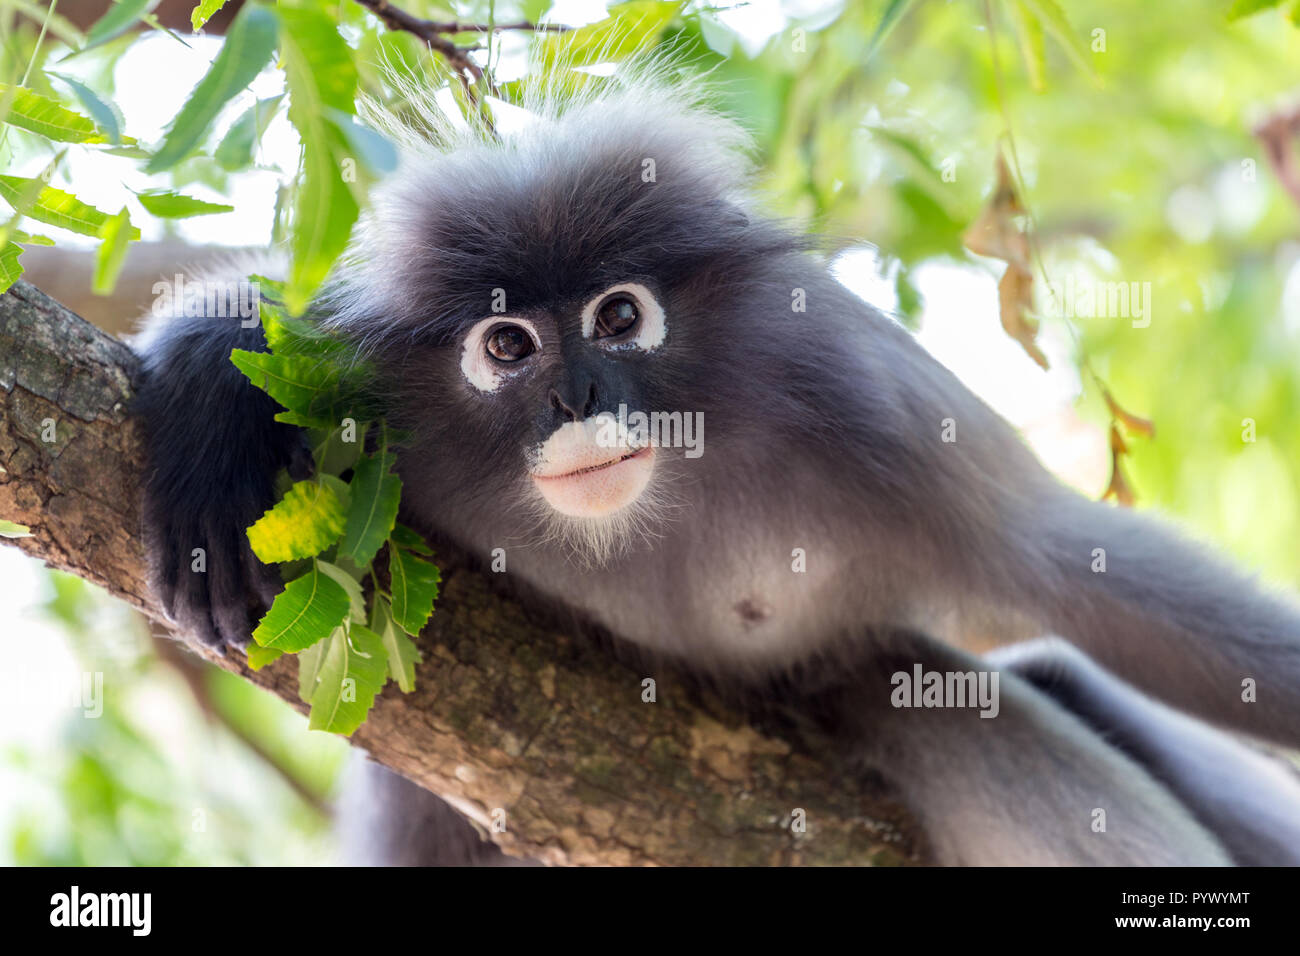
x=509, y=343
x=615, y=317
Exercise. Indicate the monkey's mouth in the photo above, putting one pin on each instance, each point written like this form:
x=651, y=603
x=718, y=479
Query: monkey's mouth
x=576, y=485
x=589, y=469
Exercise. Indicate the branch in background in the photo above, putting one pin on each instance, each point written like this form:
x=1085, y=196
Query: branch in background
x=508, y=713
x=428, y=31
x=454, y=27
x=195, y=675
x=1277, y=133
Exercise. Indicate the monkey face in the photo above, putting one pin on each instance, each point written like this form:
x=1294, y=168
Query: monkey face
x=526, y=305
x=576, y=371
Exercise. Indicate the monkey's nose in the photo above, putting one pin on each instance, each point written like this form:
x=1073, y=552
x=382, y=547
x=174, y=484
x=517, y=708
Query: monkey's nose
x=570, y=408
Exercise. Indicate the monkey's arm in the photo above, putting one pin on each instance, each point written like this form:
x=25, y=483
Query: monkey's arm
x=1024, y=787
x=1250, y=801
x=1155, y=608
x=214, y=450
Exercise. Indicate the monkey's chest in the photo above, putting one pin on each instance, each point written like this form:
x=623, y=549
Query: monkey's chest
x=760, y=608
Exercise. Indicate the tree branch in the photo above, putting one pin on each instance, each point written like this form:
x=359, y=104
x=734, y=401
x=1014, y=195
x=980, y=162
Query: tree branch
x=435, y=33
x=431, y=33
x=508, y=713
x=1276, y=133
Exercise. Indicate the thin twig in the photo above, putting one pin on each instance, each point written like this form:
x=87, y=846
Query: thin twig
x=435, y=33
x=454, y=27
x=429, y=31
x=1032, y=230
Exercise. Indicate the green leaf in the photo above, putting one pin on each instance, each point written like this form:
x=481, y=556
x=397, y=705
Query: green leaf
x=130, y=152
x=909, y=298
x=340, y=488
x=414, y=586
x=166, y=204
x=1053, y=19
x=306, y=521
x=353, y=671
x=309, y=662
x=357, y=601
x=370, y=147
x=719, y=37
x=921, y=174
x=321, y=75
x=300, y=383
x=300, y=419
x=636, y=25
x=286, y=336
x=404, y=537
x=334, y=455
x=259, y=657
x=116, y=20
x=888, y=20
x=11, y=269
x=403, y=655
x=39, y=114
x=55, y=207
x=202, y=13
x=306, y=611
x=237, y=148
x=30, y=239
x=104, y=115
x=246, y=50
x=1029, y=35
x=1246, y=8
x=565, y=84
x=55, y=23
x=375, y=495
x=11, y=529
x=111, y=252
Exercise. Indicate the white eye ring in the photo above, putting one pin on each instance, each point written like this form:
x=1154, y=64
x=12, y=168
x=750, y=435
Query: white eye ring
x=653, y=325
x=477, y=366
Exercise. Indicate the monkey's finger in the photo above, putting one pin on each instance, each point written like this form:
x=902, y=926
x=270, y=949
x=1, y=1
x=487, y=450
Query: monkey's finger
x=301, y=466
x=264, y=580
x=191, y=609
x=229, y=600
x=166, y=570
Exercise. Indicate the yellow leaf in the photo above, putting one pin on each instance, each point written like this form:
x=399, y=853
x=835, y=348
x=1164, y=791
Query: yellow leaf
x=306, y=521
x=1015, y=300
x=1139, y=426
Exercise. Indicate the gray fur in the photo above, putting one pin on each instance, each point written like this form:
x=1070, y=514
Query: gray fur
x=824, y=433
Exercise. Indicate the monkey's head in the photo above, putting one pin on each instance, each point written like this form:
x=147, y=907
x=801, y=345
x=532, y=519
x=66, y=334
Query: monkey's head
x=528, y=300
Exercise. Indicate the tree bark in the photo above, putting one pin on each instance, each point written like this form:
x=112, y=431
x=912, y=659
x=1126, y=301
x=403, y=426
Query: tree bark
x=509, y=714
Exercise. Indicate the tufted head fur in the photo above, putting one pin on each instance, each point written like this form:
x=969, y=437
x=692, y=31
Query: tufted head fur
x=642, y=178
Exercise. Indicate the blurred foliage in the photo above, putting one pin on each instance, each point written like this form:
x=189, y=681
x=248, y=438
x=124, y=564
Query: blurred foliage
x=1129, y=130
x=135, y=774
